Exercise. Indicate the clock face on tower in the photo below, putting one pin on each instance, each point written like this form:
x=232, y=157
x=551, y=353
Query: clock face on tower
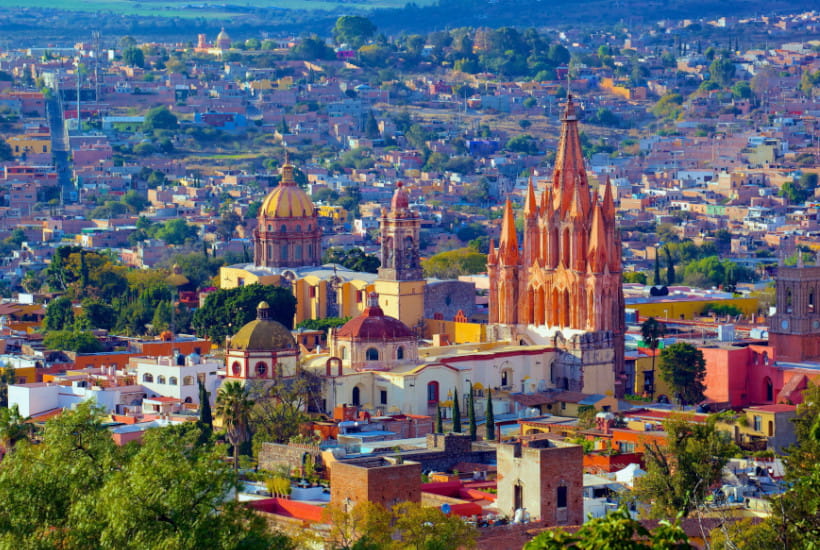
x=784, y=324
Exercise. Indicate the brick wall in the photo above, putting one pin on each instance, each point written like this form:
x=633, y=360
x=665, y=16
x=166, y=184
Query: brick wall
x=381, y=480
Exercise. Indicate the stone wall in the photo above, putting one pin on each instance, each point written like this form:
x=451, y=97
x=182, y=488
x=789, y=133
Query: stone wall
x=274, y=455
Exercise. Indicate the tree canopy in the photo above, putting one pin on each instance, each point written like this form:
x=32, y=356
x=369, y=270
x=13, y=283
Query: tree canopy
x=683, y=367
x=353, y=30
x=160, y=118
x=227, y=310
x=452, y=263
x=78, y=490
x=680, y=473
x=352, y=258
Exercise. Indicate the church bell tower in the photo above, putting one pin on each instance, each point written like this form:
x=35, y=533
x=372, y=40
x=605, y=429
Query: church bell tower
x=400, y=284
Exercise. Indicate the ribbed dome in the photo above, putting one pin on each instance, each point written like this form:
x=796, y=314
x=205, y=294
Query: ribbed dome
x=373, y=324
x=287, y=200
x=263, y=333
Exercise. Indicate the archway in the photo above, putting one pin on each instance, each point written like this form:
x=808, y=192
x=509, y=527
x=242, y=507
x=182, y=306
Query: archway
x=356, y=398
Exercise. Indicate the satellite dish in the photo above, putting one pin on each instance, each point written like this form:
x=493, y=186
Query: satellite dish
x=445, y=508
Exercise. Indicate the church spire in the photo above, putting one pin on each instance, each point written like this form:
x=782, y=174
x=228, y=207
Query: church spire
x=597, y=241
x=570, y=171
x=530, y=205
x=609, y=202
x=508, y=243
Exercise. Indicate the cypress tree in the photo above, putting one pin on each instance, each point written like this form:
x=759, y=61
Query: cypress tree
x=205, y=415
x=670, y=268
x=439, y=422
x=490, y=417
x=471, y=415
x=456, y=413
x=657, y=269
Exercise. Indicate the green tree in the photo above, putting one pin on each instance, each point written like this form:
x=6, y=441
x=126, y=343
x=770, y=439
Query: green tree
x=490, y=416
x=280, y=410
x=452, y=263
x=322, y=324
x=233, y=408
x=456, y=413
x=205, y=415
x=175, y=231
x=652, y=331
x=523, y=143
x=616, y=530
x=14, y=428
x=683, y=367
x=8, y=375
x=635, y=277
x=722, y=71
x=471, y=415
x=133, y=56
x=160, y=118
x=427, y=527
x=680, y=473
x=352, y=258
x=668, y=106
x=72, y=340
x=225, y=311
x=439, y=420
x=99, y=314
x=59, y=315
x=353, y=30
x=670, y=267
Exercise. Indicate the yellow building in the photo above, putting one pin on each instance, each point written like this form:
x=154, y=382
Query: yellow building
x=675, y=308
x=320, y=292
x=30, y=144
x=336, y=213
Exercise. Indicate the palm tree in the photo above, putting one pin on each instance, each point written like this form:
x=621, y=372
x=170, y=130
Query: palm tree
x=233, y=407
x=652, y=331
x=13, y=428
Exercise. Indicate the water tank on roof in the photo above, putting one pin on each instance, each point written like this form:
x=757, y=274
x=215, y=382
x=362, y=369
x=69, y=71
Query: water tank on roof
x=726, y=333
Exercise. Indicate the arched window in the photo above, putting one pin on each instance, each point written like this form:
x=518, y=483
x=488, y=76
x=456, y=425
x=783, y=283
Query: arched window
x=788, y=301
x=284, y=251
x=372, y=354
x=172, y=381
x=343, y=352
x=506, y=377
x=147, y=377
x=561, y=497
x=297, y=252
x=283, y=229
x=160, y=379
x=298, y=228
x=236, y=368
x=188, y=381
x=261, y=369
x=400, y=353
x=270, y=227
x=432, y=392
x=309, y=227
x=769, y=388
x=565, y=248
x=356, y=397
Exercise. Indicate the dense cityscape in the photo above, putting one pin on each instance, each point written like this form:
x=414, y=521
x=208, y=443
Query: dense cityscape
x=369, y=279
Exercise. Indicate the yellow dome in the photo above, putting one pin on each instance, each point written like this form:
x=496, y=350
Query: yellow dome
x=287, y=200
x=263, y=335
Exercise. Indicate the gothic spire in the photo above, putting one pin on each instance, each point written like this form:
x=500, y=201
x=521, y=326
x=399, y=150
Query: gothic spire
x=609, y=202
x=570, y=171
x=508, y=243
x=530, y=205
x=597, y=241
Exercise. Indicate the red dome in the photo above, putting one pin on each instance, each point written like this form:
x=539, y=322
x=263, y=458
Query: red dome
x=373, y=324
x=400, y=200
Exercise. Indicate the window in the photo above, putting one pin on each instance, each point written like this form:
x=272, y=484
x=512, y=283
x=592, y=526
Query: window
x=400, y=353
x=284, y=229
x=147, y=377
x=356, y=397
x=284, y=253
x=172, y=381
x=561, y=497
x=383, y=397
x=758, y=423
x=432, y=392
x=626, y=447
x=188, y=381
x=160, y=379
x=261, y=369
x=372, y=354
x=344, y=353
x=236, y=368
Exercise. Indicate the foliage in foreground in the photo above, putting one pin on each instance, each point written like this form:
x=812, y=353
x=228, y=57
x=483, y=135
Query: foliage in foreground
x=78, y=490
x=616, y=530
